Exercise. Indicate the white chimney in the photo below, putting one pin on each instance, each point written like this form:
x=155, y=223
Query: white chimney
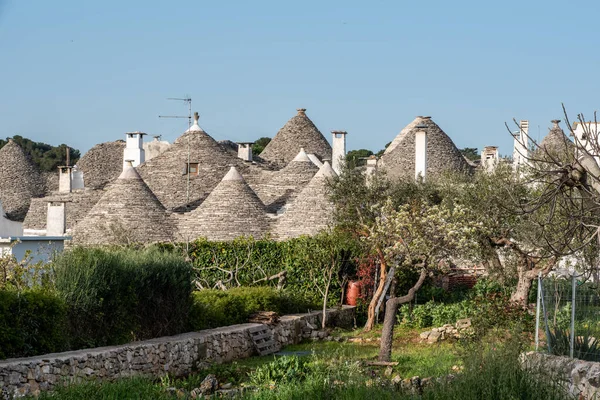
x=521, y=145
x=56, y=222
x=245, y=150
x=338, y=150
x=65, y=183
x=371, y=167
x=76, y=179
x=489, y=158
x=134, y=148
x=420, y=152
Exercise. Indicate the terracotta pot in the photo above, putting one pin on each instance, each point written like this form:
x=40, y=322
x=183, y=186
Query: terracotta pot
x=352, y=293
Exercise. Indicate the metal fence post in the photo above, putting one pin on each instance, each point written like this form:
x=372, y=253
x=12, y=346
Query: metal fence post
x=574, y=288
x=537, y=312
x=548, y=338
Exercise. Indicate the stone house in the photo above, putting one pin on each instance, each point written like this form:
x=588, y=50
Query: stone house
x=231, y=210
x=422, y=147
x=128, y=212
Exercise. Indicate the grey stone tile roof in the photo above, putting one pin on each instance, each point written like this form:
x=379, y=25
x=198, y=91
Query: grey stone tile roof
x=296, y=133
x=287, y=183
x=442, y=154
x=128, y=212
x=20, y=180
x=102, y=164
x=311, y=212
x=556, y=141
x=231, y=210
x=79, y=204
x=166, y=174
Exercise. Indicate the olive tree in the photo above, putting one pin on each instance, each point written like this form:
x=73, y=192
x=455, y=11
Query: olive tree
x=418, y=236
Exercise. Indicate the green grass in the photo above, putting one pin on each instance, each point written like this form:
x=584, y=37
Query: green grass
x=123, y=389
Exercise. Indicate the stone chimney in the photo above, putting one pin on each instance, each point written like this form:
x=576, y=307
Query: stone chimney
x=489, y=158
x=65, y=179
x=76, y=179
x=521, y=145
x=420, y=152
x=56, y=222
x=245, y=150
x=338, y=150
x=371, y=167
x=134, y=148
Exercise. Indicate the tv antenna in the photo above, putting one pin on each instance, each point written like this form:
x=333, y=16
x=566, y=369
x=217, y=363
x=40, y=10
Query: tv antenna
x=187, y=100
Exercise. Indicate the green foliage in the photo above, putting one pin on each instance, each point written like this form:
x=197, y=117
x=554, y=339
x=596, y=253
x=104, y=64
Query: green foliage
x=470, y=153
x=260, y=144
x=357, y=158
x=32, y=322
x=434, y=314
x=123, y=389
x=213, y=308
x=488, y=308
x=45, y=156
x=284, y=369
x=118, y=295
x=585, y=346
x=249, y=262
x=22, y=275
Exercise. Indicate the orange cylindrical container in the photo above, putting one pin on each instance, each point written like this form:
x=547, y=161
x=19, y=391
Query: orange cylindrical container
x=352, y=293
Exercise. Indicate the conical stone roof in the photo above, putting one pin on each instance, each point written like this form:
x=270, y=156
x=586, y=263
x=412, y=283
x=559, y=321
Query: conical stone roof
x=442, y=154
x=556, y=142
x=127, y=213
x=296, y=133
x=166, y=174
x=310, y=212
x=231, y=210
x=287, y=182
x=102, y=164
x=20, y=180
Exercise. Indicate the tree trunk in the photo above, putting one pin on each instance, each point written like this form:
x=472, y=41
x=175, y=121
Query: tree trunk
x=326, y=295
x=324, y=319
x=378, y=293
x=528, y=271
x=391, y=308
x=521, y=292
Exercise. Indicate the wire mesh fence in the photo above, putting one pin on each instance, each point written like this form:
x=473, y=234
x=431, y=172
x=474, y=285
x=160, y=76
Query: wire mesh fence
x=568, y=317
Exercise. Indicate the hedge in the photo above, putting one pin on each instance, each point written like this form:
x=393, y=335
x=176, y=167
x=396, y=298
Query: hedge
x=213, y=308
x=114, y=296
x=247, y=262
x=31, y=322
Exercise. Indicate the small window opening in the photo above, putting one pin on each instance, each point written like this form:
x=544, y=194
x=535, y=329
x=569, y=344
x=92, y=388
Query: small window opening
x=192, y=169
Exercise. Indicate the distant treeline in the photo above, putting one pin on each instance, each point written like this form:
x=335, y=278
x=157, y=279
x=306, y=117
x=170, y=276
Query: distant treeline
x=45, y=156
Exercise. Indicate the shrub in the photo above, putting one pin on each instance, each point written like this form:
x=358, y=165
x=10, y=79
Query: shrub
x=213, y=308
x=248, y=262
x=118, y=295
x=31, y=322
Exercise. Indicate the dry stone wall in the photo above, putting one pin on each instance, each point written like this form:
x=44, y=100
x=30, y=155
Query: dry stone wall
x=175, y=355
x=581, y=378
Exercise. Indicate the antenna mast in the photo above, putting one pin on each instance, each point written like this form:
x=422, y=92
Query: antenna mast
x=188, y=101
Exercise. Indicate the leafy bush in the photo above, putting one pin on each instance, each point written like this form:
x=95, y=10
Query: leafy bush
x=491, y=310
x=248, y=262
x=31, y=322
x=283, y=369
x=118, y=295
x=213, y=308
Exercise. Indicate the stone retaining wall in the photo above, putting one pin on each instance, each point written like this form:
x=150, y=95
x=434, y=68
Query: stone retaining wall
x=176, y=355
x=581, y=378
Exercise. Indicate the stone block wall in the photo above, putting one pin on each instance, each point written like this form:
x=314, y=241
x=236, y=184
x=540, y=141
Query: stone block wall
x=580, y=378
x=175, y=355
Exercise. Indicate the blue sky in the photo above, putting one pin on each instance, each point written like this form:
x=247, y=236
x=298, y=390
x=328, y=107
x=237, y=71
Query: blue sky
x=82, y=72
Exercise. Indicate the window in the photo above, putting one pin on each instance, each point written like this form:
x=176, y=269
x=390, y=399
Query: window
x=192, y=169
